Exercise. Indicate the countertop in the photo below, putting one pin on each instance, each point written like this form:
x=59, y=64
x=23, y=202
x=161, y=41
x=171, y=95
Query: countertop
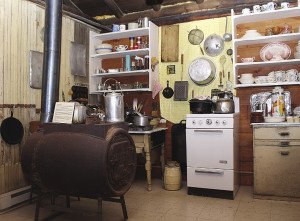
x=283, y=124
x=148, y=131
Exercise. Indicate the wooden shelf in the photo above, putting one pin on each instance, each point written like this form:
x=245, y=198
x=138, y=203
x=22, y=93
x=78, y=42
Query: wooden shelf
x=264, y=63
x=123, y=73
x=119, y=54
x=266, y=84
x=267, y=39
x=268, y=15
x=124, y=90
x=122, y=34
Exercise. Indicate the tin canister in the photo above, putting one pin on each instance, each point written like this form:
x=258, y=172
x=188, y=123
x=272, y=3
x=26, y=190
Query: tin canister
x=278, y=104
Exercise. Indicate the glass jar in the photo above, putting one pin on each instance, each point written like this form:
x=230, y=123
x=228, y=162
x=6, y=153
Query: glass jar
x=278, y=104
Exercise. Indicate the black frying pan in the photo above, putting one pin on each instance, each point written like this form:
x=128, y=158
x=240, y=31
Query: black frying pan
x=168, y=91
x=12, y=130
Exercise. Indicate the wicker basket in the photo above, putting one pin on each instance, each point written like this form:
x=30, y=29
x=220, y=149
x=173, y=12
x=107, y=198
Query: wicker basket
x=172, y=176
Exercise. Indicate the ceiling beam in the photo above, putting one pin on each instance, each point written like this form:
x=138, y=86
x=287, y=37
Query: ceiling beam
x=181, y=12
x=114, y=7
x=156, y=7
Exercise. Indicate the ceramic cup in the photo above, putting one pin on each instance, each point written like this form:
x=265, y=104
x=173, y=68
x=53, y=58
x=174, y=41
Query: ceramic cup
x=298, y=48
x=244, y=60
x=122, y=27
x=264, y=8
x=271, y=79
x=263, y=79
x=297, y=55
x=115, y=28
x=271, y=6
x=285, y=5
x=256, y=9
x=133, y=25
x=279, y=76
x=246, y=11
x=296, y=119
x=290, y=119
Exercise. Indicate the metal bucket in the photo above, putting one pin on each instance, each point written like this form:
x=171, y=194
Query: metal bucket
x=114, y=107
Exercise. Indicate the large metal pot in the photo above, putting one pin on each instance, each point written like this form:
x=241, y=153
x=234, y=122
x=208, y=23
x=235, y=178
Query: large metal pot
x=114, y=107
x=224, y=106
x=201, y=106
x=141, y=121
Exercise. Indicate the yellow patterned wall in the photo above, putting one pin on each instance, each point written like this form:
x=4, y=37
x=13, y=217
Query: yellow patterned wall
x=175, y=111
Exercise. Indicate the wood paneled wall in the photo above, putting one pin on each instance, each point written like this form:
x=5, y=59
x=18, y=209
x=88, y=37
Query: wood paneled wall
x=245, y=136
x=21, y=24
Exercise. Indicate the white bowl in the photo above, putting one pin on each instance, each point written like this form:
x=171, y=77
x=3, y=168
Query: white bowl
x=113, y=70
x=251, y=34
x=103, y=48
x=274, y=119
x=246, y=80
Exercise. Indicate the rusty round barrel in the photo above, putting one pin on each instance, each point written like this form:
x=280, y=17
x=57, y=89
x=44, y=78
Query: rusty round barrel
x=80, y=164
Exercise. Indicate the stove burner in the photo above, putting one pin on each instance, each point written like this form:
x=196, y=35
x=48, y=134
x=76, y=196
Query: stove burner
x=138, y=128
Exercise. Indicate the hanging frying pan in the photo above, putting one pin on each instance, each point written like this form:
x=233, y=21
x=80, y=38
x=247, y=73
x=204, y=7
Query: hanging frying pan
x=12, y=130
x=168, y=91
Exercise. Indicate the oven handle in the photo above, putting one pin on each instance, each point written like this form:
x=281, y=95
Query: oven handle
x=210, y=171
x=208, y=131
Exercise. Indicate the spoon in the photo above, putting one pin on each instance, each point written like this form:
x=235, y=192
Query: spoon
x=222, y=62
x=227, y=36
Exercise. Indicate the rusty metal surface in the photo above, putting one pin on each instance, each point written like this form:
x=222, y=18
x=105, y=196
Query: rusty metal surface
x=81, y=164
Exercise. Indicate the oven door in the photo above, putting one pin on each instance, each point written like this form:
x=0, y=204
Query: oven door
x=210, y=148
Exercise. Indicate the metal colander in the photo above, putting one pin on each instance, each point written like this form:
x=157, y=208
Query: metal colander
x=195, y=36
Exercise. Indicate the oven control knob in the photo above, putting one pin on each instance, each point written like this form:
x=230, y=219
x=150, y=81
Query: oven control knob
x=217, y=122
x=200, y=122
x=208, y=121
x=224, y=122
x=193, y=122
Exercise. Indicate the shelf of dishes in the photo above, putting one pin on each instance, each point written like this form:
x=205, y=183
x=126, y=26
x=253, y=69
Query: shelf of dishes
x=122, y=73
x=266, y=84
x=274, y=78
x=266, y=39
x=118, y=54
x=259, y=64
x=122, y=34
x=249, y=17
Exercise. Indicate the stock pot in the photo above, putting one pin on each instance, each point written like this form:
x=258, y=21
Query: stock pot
x=224, y=106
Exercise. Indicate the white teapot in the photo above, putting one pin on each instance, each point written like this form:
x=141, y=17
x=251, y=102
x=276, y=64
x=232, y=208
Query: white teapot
x=121, y=47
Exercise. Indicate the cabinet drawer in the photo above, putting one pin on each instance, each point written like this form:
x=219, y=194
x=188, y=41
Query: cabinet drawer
x=277, y=171
x=219, y=179
x=277, y=133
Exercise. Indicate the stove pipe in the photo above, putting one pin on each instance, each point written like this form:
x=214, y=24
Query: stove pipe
x=51, y=65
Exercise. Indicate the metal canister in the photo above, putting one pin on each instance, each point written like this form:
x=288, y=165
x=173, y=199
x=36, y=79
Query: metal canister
x=114, y=107
x=145, y=22
x=278, y=104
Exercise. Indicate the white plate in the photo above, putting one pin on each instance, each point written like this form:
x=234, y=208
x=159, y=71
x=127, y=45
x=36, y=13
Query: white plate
x=270, y=51
x=274, y=119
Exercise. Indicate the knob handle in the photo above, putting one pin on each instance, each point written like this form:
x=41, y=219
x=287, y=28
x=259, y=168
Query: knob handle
x=224, y=122
x=208, y=121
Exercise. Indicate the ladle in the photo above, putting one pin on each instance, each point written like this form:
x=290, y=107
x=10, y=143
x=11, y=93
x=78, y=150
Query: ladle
x=227, y=36
x=229, y=52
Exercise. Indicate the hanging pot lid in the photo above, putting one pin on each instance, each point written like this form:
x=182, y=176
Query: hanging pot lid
x=213, y=45
x=196, y=36
x=202, y=71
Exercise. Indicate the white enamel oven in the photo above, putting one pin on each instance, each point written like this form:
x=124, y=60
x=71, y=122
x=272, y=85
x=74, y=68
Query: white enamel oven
x=212, y=154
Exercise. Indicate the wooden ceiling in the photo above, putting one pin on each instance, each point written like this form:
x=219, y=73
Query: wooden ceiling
x=107, y=12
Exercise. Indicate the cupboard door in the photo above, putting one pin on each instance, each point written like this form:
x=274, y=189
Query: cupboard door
x=277, y=170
